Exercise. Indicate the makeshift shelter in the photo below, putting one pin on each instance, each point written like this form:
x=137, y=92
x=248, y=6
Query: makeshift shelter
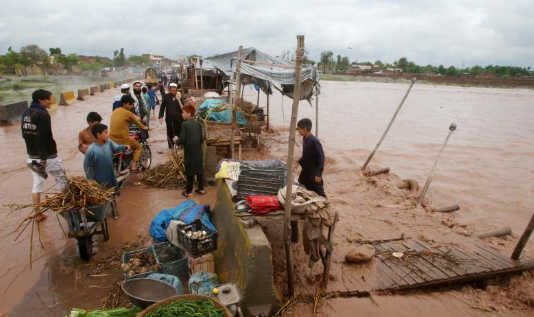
x=267, y=71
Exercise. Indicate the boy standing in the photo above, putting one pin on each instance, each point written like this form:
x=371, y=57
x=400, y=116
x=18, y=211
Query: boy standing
x=85, y=137
x=191, y=137
x=98, y=162
x=312, y=160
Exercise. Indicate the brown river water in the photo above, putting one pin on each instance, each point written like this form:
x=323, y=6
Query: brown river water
x=487, y=169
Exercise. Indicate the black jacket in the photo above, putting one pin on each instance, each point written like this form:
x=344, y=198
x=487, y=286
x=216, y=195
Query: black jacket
x=173, y=109
x=37, y=132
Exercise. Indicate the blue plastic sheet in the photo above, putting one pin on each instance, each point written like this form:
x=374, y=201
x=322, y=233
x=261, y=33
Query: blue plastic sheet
x=211, y=103
x=187, y=212
x=224, y=116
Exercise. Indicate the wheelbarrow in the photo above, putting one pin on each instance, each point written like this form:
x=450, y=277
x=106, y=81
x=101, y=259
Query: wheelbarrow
x=84, y=223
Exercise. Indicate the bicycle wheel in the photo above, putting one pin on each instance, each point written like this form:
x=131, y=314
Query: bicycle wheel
x=146, y=156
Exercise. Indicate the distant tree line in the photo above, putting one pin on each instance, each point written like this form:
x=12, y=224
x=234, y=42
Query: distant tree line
x=33, y=55
x=327, y=63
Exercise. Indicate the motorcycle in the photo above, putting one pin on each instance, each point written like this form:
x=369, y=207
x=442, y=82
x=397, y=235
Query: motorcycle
x=122, y=161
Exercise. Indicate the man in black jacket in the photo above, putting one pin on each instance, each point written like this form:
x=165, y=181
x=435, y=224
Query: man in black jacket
x=40, y=145
x=171, y=108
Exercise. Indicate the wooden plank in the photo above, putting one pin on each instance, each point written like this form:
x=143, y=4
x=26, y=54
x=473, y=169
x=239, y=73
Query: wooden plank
x=463, y=267
x=489, y=259
x=439, y=264
x=443, y=263
x=434, y=272
x=401, y=271
x=382, y=279
x=497, y=255
x=388, y=272
x=417, y=268
x=470, y=260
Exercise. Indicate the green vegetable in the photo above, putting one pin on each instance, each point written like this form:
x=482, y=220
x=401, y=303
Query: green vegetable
x=188, y=308
x=115, y=312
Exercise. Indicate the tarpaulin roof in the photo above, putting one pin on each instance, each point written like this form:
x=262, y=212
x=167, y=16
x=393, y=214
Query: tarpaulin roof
x=266, y=70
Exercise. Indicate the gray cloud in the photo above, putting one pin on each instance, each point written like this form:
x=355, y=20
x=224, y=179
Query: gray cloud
x=427, y=32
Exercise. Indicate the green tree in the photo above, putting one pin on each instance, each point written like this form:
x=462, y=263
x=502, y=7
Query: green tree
x=139, y=60
x=119, y=58
x=379, y=63
x=11, y=59
x=451, y=71
x=327, y=58
x=67, y=61
x=55, y=51
x=308, y=61
x=344, y=64
x=441, y=69
x=34, y=54
x=402, y=63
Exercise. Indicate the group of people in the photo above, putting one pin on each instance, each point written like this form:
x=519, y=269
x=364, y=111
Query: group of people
x=98, y=142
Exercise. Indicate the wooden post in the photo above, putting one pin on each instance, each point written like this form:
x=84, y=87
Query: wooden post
x=389, y=125
x=316, y=113
x=258, y=101
x=234, y=105
x=290, y=158
x=429, y=180
x=524, y=239
x=201, y=77
x=268, y=115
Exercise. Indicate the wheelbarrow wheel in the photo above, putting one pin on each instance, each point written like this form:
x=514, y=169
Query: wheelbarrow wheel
x=85, y=246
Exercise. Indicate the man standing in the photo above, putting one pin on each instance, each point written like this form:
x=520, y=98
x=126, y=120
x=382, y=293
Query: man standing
x=140, y=107
x=173, y=114
x=40, y=145
x=125, y=89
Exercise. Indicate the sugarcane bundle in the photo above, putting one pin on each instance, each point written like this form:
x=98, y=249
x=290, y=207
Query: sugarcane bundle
x=168, y=175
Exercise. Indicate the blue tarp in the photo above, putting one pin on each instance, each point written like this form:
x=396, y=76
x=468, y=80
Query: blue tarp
x=224, y=116
x=187, y=212
x=211, y=103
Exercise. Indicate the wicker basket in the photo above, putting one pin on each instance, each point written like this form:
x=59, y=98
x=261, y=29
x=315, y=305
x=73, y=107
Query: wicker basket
x=171, y=300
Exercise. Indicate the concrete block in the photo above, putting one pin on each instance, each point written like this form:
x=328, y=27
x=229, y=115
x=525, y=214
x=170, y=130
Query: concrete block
x=243, y=257
x=210, y=164
x=9, y=114
x=117, y=84
x=94, y=90
x=67, y=98
x=53, y=105
x=83, y=94
x=103, y=87
x=111, y=85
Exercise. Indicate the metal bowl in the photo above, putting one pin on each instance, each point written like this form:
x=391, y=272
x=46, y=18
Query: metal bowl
x=143, y=292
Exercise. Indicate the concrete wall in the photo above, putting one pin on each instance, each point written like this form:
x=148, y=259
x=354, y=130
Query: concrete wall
x=94, y=90
x=9, y=114
x=103, y=87
x=67, y=98
x=243, y=257
x=111, y=85
x=83, y=94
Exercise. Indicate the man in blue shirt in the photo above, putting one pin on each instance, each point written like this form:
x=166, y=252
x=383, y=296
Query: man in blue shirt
x=312, y=160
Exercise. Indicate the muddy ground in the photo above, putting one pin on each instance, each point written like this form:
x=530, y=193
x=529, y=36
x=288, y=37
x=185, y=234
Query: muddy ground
x=487, y=169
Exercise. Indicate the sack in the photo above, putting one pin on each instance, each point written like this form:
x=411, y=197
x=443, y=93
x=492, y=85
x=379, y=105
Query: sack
x=263, y=204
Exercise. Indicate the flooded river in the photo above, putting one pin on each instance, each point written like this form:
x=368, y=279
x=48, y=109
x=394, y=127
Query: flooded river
x=487, y=168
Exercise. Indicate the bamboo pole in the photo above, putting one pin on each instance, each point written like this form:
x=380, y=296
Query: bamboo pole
x=316, y=113
x=524, y=239
x=268, y=107
x=258, y=100
x=290, y=158
x=234, y=105
x=201, y=77
x=429, y=180
x=389, y=125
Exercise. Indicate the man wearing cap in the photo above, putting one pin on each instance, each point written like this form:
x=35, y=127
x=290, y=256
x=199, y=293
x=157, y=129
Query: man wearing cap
x=125, y=89
x=171, y=107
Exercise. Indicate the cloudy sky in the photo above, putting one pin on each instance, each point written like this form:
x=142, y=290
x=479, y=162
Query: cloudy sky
x=448, y=32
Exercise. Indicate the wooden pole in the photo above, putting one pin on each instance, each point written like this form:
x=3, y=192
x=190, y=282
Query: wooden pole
x=429, y=180
x=268, y=115
x=258, y=101
x=290, y=158
x=524, y=239
x=495, y=233
x=201, y=77
x=234, y=105
x=316, y=113
x=389, y=125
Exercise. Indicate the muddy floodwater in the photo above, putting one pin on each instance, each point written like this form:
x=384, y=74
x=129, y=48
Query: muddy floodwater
x=487, y=168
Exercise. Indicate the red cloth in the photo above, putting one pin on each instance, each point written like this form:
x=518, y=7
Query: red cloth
x=263, y=204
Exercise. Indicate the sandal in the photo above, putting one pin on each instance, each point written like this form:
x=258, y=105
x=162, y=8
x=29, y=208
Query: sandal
x=201, y=192
x=186, y=194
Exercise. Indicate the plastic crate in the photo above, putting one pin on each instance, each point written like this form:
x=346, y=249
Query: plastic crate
x=171, y=259
x=197, y=247
x=126, y=256
x=260, y=181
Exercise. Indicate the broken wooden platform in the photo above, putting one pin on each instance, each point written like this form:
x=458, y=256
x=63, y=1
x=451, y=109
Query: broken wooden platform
x=423, y=265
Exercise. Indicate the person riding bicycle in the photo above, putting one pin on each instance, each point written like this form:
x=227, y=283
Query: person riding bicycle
x=119, y=129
